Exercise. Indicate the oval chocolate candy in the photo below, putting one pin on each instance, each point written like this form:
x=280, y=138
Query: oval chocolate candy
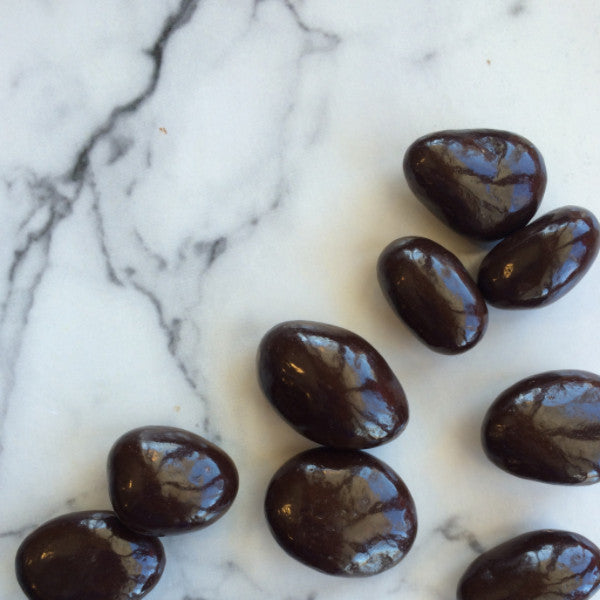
x=331, y=385
x=538, y=565
x=484, y=183
x=165, y=480
x=547, y=427
x=342, y=512
x=542, y=262
x=433, y=294
x=88, y=555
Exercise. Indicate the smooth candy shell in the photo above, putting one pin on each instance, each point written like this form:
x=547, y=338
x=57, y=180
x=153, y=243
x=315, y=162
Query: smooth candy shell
x=431, y=291
x=547, y=427
x=164, y=481
x=331, y=385
x=542, y=262
x=342, y=512
x=483, y=183
x=540, y=565
x=88, y=556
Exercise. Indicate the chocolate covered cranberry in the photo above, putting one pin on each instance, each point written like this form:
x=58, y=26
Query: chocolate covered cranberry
x=342, y=512
x=88, y=556
x=540, y=263
x=433, y=294
x=331, y=385
x=484, y=183
x=540, y=565
x=547, y=427
x=164, y=480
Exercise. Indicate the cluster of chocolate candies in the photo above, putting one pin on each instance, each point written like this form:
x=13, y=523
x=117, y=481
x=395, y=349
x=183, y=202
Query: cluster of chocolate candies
x=335, y=508
x=162, y=481
x=487, y=185
x=344, y=512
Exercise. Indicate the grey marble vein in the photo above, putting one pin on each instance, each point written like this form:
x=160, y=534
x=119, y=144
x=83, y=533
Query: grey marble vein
x=175, y=21
x=332, y=38
x=47, y=195
x=172, y=330
x=101, y=233
x=317, y=40
x=18, y=532
x=453, y=531
x=119, y=147
x=211, y=249
x=160, y=261
x=25, y=273
x=517, y=9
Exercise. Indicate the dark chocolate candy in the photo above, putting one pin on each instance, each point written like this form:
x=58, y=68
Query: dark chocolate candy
x=342, y=512
x=433, y=294
x=164, y=480
x=484, y=183
x=542, y=262
x=331, y=385
x=88, y=556
x=539, y=565
x=547, y=427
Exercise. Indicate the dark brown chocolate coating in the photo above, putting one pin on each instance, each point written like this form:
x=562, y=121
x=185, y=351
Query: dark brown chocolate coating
x=164, y=480
x=433, y=294
x=542, y=262
x=331, y=385
x=539, y=565
x=342, y=512
x=547, y=427
x=88, y=556
x=484, y=183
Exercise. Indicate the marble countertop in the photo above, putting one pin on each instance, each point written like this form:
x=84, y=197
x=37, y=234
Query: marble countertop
x=176, y=177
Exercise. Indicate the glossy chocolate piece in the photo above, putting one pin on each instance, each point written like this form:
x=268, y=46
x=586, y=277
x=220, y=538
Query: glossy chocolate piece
x=433, y=294
x=547, y=427
x=331, y=385
x=539, y=565
x=542, y=262
x=164, y=480
x=88, y=555
x=484, y=183
x=342, y=512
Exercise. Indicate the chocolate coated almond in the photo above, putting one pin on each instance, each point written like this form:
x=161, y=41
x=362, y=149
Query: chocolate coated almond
x=342, y=512
x=542, y=262
x=331, y=385
x=547, y=427
x=164, y=480
x=433, y=294
x=540, y=565
x=484, y=183
x=88, y=556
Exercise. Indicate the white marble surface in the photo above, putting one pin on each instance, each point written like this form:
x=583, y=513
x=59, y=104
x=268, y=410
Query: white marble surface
x=177, y=176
